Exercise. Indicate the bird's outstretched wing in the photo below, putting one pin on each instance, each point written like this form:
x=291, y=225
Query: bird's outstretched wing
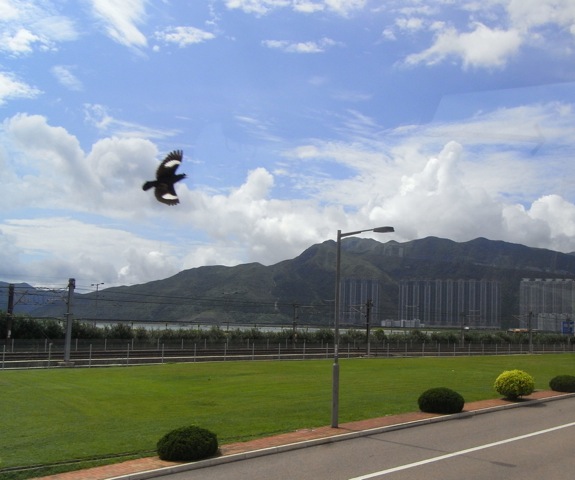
x=166, y=193
x=170, y=164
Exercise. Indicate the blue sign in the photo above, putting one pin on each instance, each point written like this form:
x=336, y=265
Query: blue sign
x=567, y=327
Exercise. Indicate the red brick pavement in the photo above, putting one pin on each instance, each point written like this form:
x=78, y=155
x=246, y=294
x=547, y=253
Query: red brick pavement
x=153, y=463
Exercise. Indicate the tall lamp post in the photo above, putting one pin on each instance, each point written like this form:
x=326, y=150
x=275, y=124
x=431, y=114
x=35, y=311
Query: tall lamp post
x=335, y=371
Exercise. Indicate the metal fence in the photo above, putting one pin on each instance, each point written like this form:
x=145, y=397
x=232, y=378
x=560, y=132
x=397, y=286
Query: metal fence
x=108, y=352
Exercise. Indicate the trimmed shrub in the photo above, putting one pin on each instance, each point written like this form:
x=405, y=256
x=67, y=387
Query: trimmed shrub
x=187, y=444
x=513, y=384
x=563, y=383
x=440, y=400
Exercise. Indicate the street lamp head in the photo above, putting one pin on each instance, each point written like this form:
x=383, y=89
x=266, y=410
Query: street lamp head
x=384, y=229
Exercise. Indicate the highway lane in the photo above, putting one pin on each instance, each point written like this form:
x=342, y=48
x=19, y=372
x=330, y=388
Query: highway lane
x=532, y=443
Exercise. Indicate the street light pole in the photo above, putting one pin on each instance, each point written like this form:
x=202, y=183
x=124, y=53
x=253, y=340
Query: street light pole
x=335, y=370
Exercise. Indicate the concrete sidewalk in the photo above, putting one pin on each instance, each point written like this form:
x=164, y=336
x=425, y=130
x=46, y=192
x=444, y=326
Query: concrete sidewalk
x=148, y=467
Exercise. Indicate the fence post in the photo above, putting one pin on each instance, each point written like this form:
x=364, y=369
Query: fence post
x=128, y=355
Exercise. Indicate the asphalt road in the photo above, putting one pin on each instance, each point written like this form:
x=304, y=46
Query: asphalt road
x=534, y=442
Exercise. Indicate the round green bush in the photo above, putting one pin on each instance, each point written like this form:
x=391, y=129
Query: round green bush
x=440, y=400
x=563, y=383
x=187, y=444
x=513, y=384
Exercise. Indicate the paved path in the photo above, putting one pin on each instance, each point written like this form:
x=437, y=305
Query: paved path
x=133, y=469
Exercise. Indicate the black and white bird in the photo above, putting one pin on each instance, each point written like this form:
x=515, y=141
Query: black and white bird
x=166, y=177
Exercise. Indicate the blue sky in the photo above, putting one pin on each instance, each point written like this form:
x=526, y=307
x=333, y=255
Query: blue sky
x=296, y=117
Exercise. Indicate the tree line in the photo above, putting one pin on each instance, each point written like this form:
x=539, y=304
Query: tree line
x=26, y=328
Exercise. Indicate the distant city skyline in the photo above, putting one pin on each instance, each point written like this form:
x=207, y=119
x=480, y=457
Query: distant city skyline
x=451, y=302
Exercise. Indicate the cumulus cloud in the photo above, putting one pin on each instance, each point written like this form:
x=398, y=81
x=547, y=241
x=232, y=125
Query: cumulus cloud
x=50, y=170
x=491, y=40
x=446, y=180
x=483, y=47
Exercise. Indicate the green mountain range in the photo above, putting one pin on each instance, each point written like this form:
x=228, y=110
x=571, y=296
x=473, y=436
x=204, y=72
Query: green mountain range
x=302, y=289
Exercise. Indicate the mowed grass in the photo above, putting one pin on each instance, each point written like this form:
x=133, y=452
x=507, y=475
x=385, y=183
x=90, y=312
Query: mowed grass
x=58, y=415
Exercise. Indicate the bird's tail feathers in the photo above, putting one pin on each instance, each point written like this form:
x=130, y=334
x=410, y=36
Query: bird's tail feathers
x=148, y=185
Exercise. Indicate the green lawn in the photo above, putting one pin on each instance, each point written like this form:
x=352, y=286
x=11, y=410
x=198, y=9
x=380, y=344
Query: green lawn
x=62, y=414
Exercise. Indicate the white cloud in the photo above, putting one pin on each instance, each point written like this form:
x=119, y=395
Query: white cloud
x=26, y=27
x=527, y=14
x=184, y=36
x=499, y=30
x=411, y=24
x=444, y=179
x=121, y=18
x=8, y=10
x=64, y=75
x=11, y=88
x=301, y=47
x=99, y=117
x=90, y=252
x=481, y=48
x=261, y=7
x=307, y=6
x=50, y=170
x=22, y=41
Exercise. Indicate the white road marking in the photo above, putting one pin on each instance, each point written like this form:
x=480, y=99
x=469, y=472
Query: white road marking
x=461, y=452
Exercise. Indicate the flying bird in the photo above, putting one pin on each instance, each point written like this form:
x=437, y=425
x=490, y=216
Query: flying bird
x=166, y=177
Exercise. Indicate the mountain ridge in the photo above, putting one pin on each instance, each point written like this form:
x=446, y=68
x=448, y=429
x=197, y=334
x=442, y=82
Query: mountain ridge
x=256, y=294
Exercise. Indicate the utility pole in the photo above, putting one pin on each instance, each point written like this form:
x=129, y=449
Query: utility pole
x=368, y=306
x=71, y=286
x=295, y=319
x=10, y=311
